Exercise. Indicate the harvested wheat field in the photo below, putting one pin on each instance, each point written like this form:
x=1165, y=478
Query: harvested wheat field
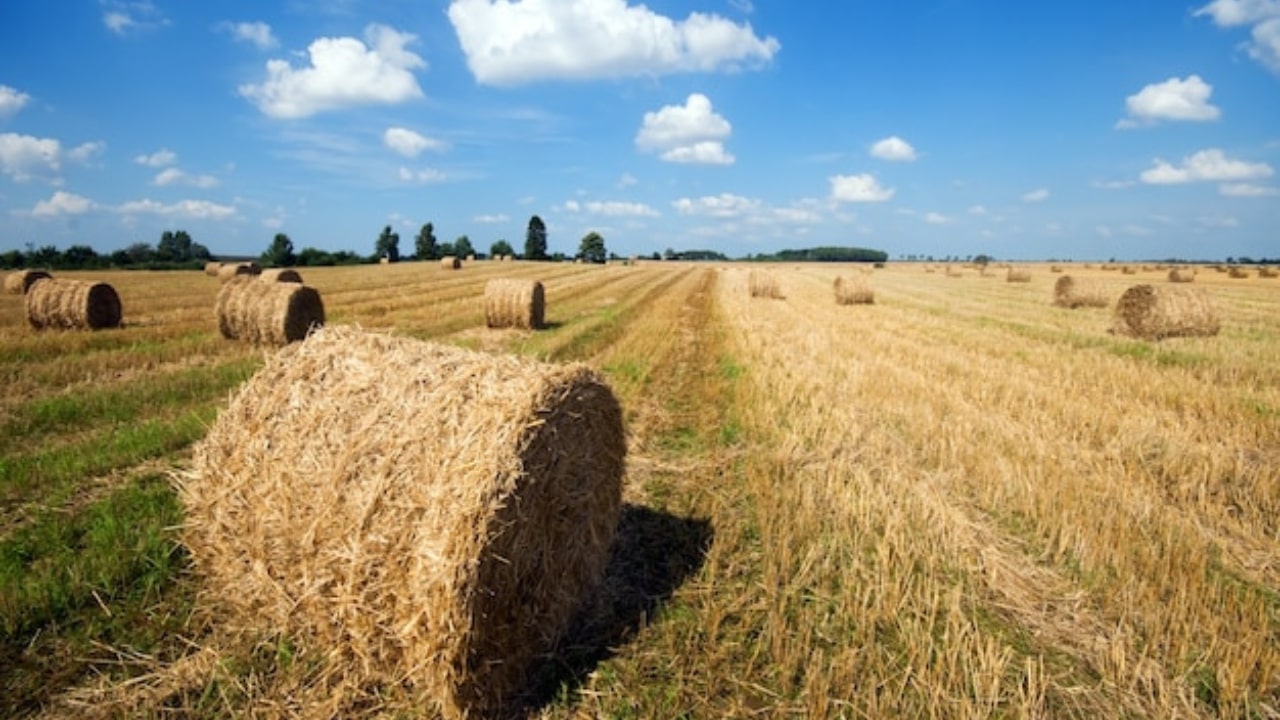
x=965, y=502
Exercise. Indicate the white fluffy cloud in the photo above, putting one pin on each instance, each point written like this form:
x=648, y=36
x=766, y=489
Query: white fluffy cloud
x=24, y=157
x=255, y=33
x=508, y=42
x=1263, y=15
x=492, y=219
x=421, y=177
x=159, y=158
x=11, y=101
x=859, y=188
x=1173, y=99
x=1247, y=190
x=1035, y=196
x=409, y=143
x=612, y=208
x=894, y=149
x=174, y=176
x=724, y=205
x=344, y=72
x=1210, y=165
x=63, y=203
x=689, y=133
x=192, y=209
x=123, y=16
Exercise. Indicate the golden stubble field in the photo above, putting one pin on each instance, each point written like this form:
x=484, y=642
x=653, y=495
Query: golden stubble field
x=959, y=501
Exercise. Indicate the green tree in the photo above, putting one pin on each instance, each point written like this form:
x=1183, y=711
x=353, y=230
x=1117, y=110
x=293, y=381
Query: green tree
x=44, y=257
x=176, y=247
x=502, y=247
x=280, y=254
x=425, y=244
x=535, y=240
x=388, y=245
x=592, y=248
x=80, y=256
x=462, y=246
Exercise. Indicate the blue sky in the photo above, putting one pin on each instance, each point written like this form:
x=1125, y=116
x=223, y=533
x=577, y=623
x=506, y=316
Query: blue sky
x=1024, y=130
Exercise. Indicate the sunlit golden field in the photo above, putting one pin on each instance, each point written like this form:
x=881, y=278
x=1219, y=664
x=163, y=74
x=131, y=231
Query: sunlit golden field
x=959, y=501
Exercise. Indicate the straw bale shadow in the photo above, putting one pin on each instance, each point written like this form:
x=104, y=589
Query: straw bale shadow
x=652, y=555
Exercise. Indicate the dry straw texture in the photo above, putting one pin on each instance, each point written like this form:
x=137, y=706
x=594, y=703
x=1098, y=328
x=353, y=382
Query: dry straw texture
x=763, y=284
x=283, y=275
x=72, y=305
x=422, y=514
x=1018, y=276
x=1075, y=292
x=1267, y=272
x=211, y=268
x=19, y=281
x=231, y=270
x=514, y=303
x=267, y=313
x=449, y=262
x=1182, y=275
x=854, y=291
x=1238, y=273
x=1155, y=313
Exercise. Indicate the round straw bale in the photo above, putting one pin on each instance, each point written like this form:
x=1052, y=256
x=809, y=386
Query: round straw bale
x=428, y=515
x=1182, y=275
x=284, y=275
x=211, y=268
x=471, y=257
x=763, y=284
x=514, y=303
x=72, y=305
x=1074, y=292
x=853, y=291
x=450, y=262
x=231, y=270
x=1157, y=312
x=1238, y=273
x=19, y=282
x=267, y=313
x=1017, y=276
x=1267, y=272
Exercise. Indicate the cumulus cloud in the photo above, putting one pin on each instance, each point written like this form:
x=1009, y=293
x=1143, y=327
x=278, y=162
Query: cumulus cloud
x=11, y=101
x=508, y=42
x=1035, y=196
x=1173, y=99
x=1210, y=165
x=409, y=143
x=84, y=152
x=174, y=176
x=257, y=34
x=421, y=177
x=491, y=219
x=859, y=188
x=343, y=72
x=192, y=209
x=1247, y=190
x=611, y=208
x=1263, y=15
x=63, y=203
x=159, y=158
x=123, y=17
x=24, y=157
x=724, y=205
x=894, y=149
x=689, y=133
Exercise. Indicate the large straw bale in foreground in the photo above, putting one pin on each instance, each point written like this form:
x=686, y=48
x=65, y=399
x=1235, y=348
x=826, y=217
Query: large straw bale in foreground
x=19, y=281
x=267, y=313
x=853, y=291
x=420, y=513
x=281, y=275
x=1157, y=312
x=1074, y=292
x=763, y=284
x=514, y=303
x=72, y=305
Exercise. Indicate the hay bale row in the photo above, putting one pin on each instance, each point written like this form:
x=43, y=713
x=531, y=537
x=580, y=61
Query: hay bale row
x=1155, y=313
x=450, y=262
x=1018, y=276
x=763, y=284
x=54, y=303
x=514, y=303
x=854, y=291
x=19, y=281
x=284, y=275
x=1182, y=275
x=227, y=271
x=267, y=313
x=431, y=516
x=1074, y=292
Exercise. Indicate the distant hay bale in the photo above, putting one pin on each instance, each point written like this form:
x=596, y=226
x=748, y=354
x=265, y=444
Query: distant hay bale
x=1237, y=273
x=19, y=282
x=763, y=284
x=54, y=303
x=267, y=313
x=384, y=260
x=1055, y=268
x=854, y=291
x=1128, y=270
x=471, y=257
x=1182, y=275
x=952, y=272
x=1266, y=272
x=505, y=258
x=230, y=270
x=211, y=268
x=1073, y=292
x=1018, y=276
x=427, y=515
x=1157, y=312
x=514, y=303
x=283, y=275
x=449, y=262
